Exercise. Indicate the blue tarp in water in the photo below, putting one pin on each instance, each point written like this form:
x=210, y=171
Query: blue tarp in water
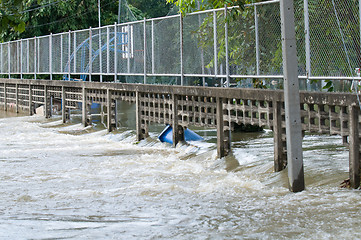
x=167, y=135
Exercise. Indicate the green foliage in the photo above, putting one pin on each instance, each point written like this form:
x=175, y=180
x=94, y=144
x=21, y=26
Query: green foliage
x=151, y=8
x=186, y=6
x=40, y=17
x=10, y=16
x=329, y=86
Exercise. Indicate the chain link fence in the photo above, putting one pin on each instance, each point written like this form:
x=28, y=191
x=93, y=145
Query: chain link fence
x=214, y=47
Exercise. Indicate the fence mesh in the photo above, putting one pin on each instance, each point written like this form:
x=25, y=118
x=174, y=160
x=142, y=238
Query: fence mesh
x=254, y=45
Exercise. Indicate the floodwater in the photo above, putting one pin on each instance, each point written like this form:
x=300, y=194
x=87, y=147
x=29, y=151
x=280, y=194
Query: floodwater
x=68, y=182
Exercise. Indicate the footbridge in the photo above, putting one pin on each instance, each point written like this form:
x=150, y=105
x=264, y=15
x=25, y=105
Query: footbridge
x=207, y=69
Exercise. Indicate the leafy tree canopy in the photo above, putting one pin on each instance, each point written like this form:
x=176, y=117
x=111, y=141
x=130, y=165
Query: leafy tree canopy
x=10, y=15
x=29, y=18
x=186, y=6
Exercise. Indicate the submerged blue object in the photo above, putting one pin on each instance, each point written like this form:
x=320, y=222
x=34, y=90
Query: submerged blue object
x=167, y=135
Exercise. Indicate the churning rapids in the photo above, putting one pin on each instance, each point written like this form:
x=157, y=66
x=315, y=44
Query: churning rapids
x=68, y=182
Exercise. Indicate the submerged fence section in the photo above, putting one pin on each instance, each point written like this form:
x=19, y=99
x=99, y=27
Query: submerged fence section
x=210, y=44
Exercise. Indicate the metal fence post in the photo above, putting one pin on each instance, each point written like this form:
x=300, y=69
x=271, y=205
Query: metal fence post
x=181, y=48
x=74, y=53
x=129, y=46
x=27, y=56
x=145, y=51
x=292, y=98
x=100, y=55
x=61, y=53
x=226, y=45
x=115, y=53
x=38, y=56
x=69, y=54
x=153, y=63
x=307, y=40
x=215, y=43
x=1, y=58
x=35, y=56
x=90, y=54
x=9, y=59
x=108, y=41
x=21, y=59
x=51, y=56
x=257, y=39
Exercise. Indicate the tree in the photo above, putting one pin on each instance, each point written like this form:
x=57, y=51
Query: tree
x=10, y=16
x=186, y=6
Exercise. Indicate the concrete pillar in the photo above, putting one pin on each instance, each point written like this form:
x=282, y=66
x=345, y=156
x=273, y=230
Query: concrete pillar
x=30, y=100
x=280, y=158
x=178, y=131
x=84, y=108
x=109, y=110
x=63, y=105
x=5, y=98
x=292, y=98
x=354, y=143
x=140, y=135
x=220, y=133
x=17, y=97
x=47, y=105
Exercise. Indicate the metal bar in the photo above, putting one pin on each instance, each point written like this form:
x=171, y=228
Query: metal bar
x=100, y=54
x=181, y=48
x=292, y=98
x=51, y=56
x=202, y=52
x=215, y=43
x=61, y=53
x=38, y=56
x=1, y=59
x=257, y=39
x=226, y=45
x=69, y=54
x=90, y=53
x=108, y=42
x=28, y=56
x=9, y=60
x=145, y=51
x=307, y=39
x=115, y=53
x=74, y=52
x=153, y=58
x=21, y=59
x=35, y=57
x=129, y=47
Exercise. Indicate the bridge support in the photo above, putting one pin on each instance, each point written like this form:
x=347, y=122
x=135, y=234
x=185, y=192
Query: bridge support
x=65, y=113
x=31, y=111
x=5, y=98
x=223, y=133
x=47, y=103
x=84, y=117
x=178, y=131
x=141, y=124
x=292, y=98
x=354, y=147
x=111, y=112
x=280, y=154
x=17, y=98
